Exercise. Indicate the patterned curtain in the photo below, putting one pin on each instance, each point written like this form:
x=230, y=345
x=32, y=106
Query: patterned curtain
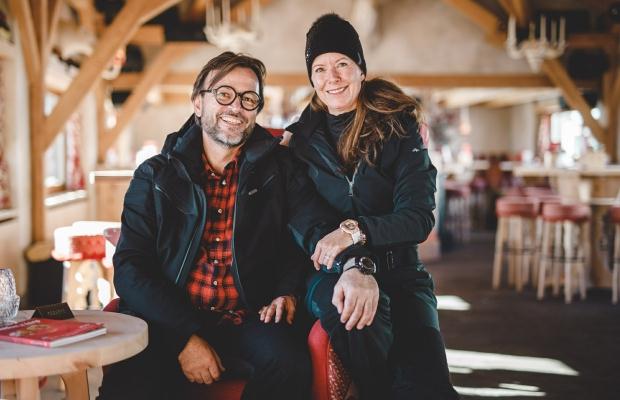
x=75, y=174
x=5, y=187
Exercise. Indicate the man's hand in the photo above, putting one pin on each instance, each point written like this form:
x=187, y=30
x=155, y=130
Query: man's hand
x=279, y=306
x=356, y=297
x=199, y=361
x=329, y=247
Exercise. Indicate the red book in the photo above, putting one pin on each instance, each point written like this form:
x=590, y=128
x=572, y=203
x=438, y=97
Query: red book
x=50, y=332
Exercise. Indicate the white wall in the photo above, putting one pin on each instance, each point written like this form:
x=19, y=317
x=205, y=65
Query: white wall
x=490, y=130
x=523, y=127
x=155, y=122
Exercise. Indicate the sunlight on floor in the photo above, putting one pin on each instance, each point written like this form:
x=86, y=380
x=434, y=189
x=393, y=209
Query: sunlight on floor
x=453, y=303
x=491, y=361
x=497, y=392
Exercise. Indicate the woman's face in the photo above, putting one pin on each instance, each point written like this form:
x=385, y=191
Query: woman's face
x=337, y=81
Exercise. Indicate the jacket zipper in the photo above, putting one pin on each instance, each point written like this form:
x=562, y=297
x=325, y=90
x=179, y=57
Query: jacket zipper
x=191, y=242
x=234, y=263
x=352, y=180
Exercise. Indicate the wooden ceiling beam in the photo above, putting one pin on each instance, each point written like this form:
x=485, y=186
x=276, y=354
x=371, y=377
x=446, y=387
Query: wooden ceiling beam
x=154, y=74
x=52, y=24
x=149, y=35
x=23, y=15
x=131, y=16
x=128, y=81
x=481, y=17
x=522, y=11
x=556, y=72
x=40, y=20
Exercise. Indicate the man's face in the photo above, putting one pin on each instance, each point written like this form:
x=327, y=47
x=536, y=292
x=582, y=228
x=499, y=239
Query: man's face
x=230, y=125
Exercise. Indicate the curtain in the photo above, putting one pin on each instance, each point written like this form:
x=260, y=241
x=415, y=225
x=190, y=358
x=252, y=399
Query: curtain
x=75, y=174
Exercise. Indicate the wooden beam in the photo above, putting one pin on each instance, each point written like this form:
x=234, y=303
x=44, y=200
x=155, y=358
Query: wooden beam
x=86, y=14
x=558, y=75
x=133, y=14
x=40, y=20
x=472, y=80
x=605, y=41
x=476, y=13
x=153, y=75
x=128, y=81
x=28, y=39
x=52, y=25
x=100, y=96
x=149, y=35
x=522, y=12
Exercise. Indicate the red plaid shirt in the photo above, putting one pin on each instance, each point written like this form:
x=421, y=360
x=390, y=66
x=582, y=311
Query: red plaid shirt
x=211, y=285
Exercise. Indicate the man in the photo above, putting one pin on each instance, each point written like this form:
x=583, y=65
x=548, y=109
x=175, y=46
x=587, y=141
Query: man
x=205, y=255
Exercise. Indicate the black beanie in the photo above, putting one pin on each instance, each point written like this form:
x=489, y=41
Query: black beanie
x=332, y=34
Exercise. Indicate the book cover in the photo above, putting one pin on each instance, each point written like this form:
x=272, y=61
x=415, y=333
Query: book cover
x=50, y=332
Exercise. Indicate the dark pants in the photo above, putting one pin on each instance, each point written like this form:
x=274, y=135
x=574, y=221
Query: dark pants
x=272, y=357
x=401, y=355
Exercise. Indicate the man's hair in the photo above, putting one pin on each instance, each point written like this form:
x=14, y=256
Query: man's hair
x=223, y=64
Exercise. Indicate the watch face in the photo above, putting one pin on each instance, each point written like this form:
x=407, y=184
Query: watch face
x=367, y=265
x=349, y=225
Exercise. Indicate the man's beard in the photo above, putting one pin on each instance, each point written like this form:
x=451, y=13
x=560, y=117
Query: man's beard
x=218, y=136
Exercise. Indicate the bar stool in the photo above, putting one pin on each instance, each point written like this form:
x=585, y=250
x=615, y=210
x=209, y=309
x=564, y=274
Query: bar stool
x=542, y=199
x=614, y=214
x=457, y=210
x=515, y=233
x=567, y=226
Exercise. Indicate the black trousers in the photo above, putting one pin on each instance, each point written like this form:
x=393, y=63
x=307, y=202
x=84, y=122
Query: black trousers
x=401, y=355
x=273, y=357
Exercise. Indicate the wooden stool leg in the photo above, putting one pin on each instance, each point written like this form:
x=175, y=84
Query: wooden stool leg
x=616, y=274
x=499, y=250
x=537, y=249
x=512, y=255
x=518, y=268
x=557, y=255
x=544, y=258
x=568, y=261
x=584, y=236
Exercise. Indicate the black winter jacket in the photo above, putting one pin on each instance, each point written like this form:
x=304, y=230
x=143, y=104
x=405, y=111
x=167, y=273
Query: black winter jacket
x=393, y=200
x=164, y=217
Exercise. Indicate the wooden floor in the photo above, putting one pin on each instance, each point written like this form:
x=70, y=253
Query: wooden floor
x=509, y=345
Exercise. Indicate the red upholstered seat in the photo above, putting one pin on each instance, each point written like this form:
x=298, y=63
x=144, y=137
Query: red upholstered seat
x=512, y=206
x=566, y=212
x=614, y=214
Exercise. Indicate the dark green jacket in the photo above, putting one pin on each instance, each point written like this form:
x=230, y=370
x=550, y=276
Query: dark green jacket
x=164, y=215
x=393, y=200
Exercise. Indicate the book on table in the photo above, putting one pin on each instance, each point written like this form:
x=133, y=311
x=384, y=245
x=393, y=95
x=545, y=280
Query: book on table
x=50, y=332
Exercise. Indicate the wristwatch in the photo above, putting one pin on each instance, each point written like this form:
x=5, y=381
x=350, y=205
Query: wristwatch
x=364, y=264
x=351, y=227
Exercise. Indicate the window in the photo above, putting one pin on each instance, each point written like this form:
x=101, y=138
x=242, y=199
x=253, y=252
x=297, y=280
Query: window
x=62, y=161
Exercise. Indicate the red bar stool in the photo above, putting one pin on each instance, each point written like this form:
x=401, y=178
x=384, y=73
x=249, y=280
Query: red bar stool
x=614, y=214
x=457, y=209
x=542, y=199
x=516, y=218
x=567, y=226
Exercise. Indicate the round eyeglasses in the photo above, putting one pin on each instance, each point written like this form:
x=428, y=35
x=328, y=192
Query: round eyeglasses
x=226, y=95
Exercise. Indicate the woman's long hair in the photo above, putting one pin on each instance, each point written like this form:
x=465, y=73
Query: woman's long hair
x=378, y=116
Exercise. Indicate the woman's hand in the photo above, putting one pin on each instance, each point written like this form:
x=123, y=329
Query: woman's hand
x=329, y=247
x=279, y=306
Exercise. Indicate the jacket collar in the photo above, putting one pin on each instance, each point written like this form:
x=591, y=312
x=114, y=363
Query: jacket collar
x=186, y=146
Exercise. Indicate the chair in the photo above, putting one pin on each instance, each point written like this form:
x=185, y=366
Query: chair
x=330, y=380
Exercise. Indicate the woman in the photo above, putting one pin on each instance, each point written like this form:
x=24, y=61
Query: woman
x=361, y=144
